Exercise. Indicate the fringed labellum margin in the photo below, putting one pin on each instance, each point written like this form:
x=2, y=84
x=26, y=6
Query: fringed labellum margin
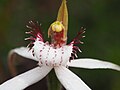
x=57, y=52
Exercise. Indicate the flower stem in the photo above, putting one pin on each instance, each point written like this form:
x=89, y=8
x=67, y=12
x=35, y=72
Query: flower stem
x=53, y=83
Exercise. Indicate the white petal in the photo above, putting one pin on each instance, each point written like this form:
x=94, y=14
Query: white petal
x=26, y=79
x=24, y=52
x=93, y=64
x=69, y=80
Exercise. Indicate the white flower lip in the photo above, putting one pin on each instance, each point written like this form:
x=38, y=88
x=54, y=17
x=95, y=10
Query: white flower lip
x=49, y=56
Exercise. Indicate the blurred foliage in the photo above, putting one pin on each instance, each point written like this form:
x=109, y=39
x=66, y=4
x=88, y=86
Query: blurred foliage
x=100, y=17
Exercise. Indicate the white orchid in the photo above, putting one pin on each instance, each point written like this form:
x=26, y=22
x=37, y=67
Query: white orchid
x=57, y=55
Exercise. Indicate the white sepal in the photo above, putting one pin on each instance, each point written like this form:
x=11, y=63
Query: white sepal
x=26, y=79
x=69, y=80
x=93, y=64
x=24, y=52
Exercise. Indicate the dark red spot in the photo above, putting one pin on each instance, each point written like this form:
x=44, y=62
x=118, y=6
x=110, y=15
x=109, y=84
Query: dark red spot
x=40, y=50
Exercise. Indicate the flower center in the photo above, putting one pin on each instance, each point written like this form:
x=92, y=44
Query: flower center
x=57, y=34
x=57, y=26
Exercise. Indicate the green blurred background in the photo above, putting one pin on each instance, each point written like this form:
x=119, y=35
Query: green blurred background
x=100, y=17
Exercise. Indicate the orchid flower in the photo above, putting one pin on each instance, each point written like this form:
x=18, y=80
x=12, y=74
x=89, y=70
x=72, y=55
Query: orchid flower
x=57, y=55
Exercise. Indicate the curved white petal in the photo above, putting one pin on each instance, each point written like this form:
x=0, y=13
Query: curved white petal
x=24, y=52
x=26, y=79
x=69, y=80
x=93, y=64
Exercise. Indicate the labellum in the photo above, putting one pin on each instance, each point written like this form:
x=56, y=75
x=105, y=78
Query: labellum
x=58, y=52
